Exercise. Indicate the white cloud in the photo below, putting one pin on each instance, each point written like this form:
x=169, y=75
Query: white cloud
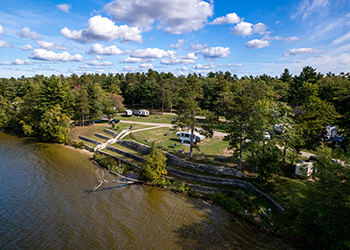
x=291, y=39
x=175, y=17
x=41, y=54
x=64, y=7
x=97, y=63
x=144, y=66
x=152, y=53
x=258, y=44
x=197, y=46
x=178, y=44
x=225, y=65
x=215, y=52
x=231, y=18
x=190, y=58
x=98, y=49
x=239, y=65
x=103, y=29
x=342, y=39
x=26, y=33
x=279, y=38
x=294, y=52
x=51, y=46
x=204, y=66
x=248, y=29
x=132, y=60
x=26, y=47
x=1, y=30
x=97, y=57
x=17, y=62
x=259, y=28
x=129, y=68
x=307, y=7
x=4, y=44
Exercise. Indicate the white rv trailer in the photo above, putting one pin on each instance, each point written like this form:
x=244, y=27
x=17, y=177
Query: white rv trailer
x=128, y=112
x=143, y=112
x=304, y=169
x=185, y=136
x=331, y=133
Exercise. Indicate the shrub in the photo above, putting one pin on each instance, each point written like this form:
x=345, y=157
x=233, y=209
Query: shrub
x=154, y=166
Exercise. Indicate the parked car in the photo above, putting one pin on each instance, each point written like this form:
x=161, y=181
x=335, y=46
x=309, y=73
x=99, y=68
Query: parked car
x=114, y=121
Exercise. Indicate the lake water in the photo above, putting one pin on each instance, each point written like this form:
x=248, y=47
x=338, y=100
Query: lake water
x=47, y=202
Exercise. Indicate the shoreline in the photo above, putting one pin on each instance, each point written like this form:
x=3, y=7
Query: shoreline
x=269, y=232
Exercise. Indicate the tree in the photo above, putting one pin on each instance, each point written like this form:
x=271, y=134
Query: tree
x=93, y=97
x=150, y=92
x=188, y=108
x=239, y=106
x=324, y=212
x=314, y=117
x=5, y=114
x=54, y=125
x=81, y=109
x=112, y=104
x=266, y=160
x=154, y=166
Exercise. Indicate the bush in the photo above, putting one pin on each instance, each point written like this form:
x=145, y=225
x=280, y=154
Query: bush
x=154, y=166
x=111, y=163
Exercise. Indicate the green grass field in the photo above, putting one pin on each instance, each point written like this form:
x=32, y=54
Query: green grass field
x=163, y=119
x=166, y=137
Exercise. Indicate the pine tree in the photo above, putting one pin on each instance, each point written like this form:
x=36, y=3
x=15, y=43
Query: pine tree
x=154, y=166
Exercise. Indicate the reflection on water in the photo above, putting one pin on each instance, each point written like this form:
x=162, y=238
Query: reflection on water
x=46, y=203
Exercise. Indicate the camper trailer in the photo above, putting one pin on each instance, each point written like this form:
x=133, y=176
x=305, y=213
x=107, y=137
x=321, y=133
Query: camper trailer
x=143, y=112
x=304, y=168
x=331, y=133
x=128, y=112
x=185, y=137
x=280, y=128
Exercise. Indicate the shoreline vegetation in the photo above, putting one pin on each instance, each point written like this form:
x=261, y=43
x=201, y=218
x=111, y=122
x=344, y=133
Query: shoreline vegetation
x=235, y=202
x=264, y=123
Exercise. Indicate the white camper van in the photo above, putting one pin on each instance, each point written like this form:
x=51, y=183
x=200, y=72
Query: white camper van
x=128, y=112
x=185, y=137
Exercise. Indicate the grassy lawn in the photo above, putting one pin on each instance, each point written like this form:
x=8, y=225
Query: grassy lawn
x=89, y=131
x=164, y=119
x=288, y=189
x=209, y=148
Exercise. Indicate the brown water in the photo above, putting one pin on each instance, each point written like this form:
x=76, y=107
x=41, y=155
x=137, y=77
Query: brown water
x=46, y=203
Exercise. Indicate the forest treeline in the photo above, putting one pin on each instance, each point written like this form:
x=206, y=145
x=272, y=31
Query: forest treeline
x=45, y=106
x=302, y=105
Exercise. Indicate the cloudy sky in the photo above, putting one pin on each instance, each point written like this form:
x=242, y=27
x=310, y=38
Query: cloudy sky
x=250, y=37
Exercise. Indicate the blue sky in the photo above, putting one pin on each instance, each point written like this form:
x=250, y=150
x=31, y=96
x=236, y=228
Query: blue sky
x=178, y=36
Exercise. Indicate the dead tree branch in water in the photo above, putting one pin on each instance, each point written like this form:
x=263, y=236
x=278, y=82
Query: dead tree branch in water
x=121, y=179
